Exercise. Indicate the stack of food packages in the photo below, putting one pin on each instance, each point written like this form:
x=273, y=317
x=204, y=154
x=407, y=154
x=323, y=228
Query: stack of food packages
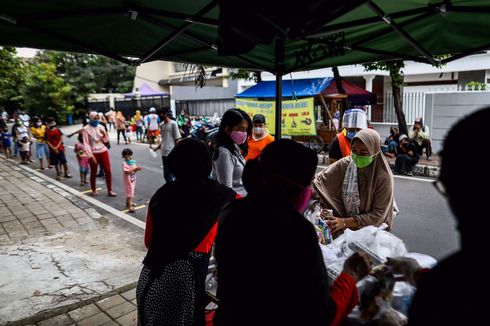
x=381, y=292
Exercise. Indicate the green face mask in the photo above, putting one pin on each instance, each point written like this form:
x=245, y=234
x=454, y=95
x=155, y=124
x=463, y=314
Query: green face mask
x=362, y=161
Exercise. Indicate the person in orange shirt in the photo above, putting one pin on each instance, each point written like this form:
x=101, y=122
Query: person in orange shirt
x=260, y=137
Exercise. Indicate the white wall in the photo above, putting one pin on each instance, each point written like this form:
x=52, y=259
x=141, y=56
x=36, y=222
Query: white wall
x=151, y=73
x=442, y=111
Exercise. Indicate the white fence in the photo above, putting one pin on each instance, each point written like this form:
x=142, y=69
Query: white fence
x=413, y=106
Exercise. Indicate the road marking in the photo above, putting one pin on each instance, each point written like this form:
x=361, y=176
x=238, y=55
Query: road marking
x=413, y=178
x=135, y=208
x=89, y=199
x=396, y=176
x=72, y=147
x=90, y=190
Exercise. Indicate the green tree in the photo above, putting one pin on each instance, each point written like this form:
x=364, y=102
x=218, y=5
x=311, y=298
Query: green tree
x=246, y=74
x=395, y=69
x=89, y=73
x=12, y=75
x=46, y=93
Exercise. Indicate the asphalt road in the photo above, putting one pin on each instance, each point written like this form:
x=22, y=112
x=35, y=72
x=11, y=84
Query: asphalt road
x=425, y=223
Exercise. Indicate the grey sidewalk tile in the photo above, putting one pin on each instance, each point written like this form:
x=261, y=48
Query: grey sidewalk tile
x=49, y=221
x=54, y=228
x=95, y=320
x=44, y=216
x=60, y=320
x=111, y=323
x=84, y=312
x=6, y=218
x=110, y=302
x=129, y=295
x=120, y=310
x=130, y=319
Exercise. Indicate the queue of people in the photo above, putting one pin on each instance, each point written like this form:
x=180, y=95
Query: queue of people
x=252, y=205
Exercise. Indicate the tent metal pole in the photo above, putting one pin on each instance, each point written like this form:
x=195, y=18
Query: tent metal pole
x=279, y=72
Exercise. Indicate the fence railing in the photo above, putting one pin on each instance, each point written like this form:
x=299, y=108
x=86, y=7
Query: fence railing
x=413, y=106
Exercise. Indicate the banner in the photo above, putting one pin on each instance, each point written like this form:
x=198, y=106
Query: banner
x=298, y=117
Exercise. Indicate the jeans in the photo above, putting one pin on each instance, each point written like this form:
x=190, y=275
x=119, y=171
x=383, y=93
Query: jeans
x=167, y=174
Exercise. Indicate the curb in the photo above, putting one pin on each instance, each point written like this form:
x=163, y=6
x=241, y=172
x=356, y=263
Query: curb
x=46, y=314
x=422, y=170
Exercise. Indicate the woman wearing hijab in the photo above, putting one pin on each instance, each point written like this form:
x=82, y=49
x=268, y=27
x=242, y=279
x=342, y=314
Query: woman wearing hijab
x=266, y=229
x=138, y=123
x=121, y=126
x=94, y=139
x=358, y=188
x=171, y=285
x=230, y=148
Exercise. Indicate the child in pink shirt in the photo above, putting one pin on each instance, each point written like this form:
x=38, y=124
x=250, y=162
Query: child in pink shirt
x=82, y=160
x=129, y=176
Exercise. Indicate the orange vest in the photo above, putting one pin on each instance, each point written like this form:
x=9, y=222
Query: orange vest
x=344, y=144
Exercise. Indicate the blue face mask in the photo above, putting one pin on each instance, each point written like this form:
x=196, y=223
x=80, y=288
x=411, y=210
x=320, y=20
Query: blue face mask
x=351, y=134
x=94, y=123
x=131, y=162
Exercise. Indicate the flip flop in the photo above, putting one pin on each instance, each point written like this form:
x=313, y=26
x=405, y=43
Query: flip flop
x=112, y=194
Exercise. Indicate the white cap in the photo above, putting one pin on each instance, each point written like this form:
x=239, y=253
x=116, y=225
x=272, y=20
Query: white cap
x=355, y=118
x=152, y=109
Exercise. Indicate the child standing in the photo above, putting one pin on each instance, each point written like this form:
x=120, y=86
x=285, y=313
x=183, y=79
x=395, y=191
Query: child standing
x=129, y=174
x=82, y=160
x=24, y=145
x=6, y=142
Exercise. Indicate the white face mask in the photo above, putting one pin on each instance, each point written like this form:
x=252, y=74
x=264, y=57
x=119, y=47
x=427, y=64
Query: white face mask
x=259, y=131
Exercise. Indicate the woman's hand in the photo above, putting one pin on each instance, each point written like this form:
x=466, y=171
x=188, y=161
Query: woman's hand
x=336, y=224
x=94, y=159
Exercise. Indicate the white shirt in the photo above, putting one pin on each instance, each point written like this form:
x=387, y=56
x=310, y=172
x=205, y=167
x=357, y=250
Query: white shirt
x=25, y=119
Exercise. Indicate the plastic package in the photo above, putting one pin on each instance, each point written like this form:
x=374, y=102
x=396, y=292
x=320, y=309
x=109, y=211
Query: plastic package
x=152, y=153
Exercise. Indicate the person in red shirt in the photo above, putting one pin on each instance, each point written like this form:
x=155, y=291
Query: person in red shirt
x=54, y=139
x=259, y=139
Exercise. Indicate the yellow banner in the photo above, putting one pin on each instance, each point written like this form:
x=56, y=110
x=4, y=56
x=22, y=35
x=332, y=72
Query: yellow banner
x=298, y=118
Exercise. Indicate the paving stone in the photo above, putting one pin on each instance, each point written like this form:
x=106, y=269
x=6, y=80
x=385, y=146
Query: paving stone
x=129, y=295
x=28, y=220
x=120, y=310
x=44, y=216
x=84, y=312
x=53, y=228
x=49, y=221
x=6, y=218
x=69, y=224
x=110, y=302
x=60, y=320
x=95, y=320
x=130, y=319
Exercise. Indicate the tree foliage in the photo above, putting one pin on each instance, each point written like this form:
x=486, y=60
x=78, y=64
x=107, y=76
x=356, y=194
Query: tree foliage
x=12, y=75
x=45, y=93
x=246, y=75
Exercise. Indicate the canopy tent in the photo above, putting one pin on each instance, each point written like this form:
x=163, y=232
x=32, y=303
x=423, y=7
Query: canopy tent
x=253, y=34
x=310, y=87
x=145, y=91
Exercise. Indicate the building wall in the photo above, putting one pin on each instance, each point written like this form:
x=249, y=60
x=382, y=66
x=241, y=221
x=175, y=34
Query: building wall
x=151, y=73
x=191, y=93
x=442, y=111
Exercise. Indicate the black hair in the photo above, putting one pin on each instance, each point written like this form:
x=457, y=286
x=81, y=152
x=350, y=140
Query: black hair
x=190, y=160
x=80, y=137
x=126, y=152
x=230, y=119
x=284, y=168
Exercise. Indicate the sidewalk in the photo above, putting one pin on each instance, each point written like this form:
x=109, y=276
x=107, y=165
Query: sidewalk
x=65, y=261
x=424, y=168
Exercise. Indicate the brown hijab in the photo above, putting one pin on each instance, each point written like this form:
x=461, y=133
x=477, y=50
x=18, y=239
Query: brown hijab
x=375, y=182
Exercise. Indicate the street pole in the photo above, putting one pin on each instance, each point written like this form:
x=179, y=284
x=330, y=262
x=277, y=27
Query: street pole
x=279, y=73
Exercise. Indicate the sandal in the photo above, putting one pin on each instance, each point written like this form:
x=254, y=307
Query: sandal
x=131, y=210
x=95, y=193
x=111, y=194
x=68, y=176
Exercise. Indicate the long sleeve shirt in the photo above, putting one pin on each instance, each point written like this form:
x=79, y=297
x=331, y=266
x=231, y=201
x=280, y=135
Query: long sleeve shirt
x=420, y=135
x=93, y=140
x=228, y=169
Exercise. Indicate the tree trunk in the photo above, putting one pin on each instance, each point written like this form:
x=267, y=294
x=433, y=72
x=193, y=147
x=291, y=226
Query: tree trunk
x=340, y=88
x=398, y=103
x=258, y=76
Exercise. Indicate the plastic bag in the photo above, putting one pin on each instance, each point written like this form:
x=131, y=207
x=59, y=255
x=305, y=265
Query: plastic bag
x=152, y=153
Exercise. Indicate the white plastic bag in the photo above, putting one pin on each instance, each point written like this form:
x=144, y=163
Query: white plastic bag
x=152, y=153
